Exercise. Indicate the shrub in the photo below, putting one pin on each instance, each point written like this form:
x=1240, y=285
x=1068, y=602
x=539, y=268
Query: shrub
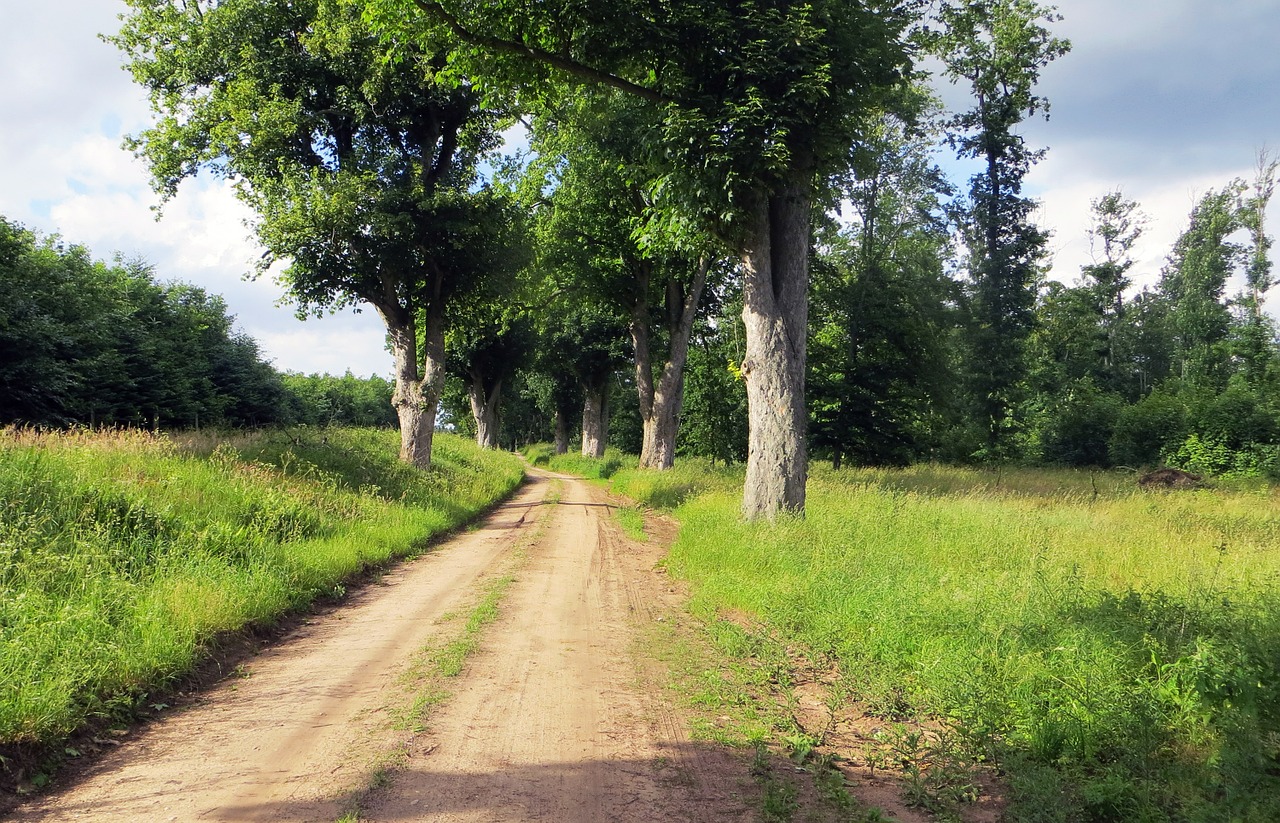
x=1146, y=429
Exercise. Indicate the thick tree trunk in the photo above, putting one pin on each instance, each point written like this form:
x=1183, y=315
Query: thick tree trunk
x=595, y=421
x=417, y=389
x=562, y=432
x=484, y=408
x=661, y=403
x=776, y=313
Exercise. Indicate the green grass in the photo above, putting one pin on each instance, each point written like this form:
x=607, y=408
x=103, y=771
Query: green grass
x=631, y=519
x=123, y=554
x=1116, y=652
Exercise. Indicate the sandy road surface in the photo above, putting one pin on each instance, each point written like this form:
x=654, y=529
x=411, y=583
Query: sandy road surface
x=556, y=717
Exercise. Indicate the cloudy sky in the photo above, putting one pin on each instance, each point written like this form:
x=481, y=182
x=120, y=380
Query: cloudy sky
x=1163, y=99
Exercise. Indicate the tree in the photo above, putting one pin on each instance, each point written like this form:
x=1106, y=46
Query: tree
x=599, y=240
x=999, y=47
x=1257, y=334
x=488, y=348
x=1117, y=226
x=358, y=158
x=1194, y=280
x=879, y=291
x=758, y=105
x=84, y=342
x=589, y=342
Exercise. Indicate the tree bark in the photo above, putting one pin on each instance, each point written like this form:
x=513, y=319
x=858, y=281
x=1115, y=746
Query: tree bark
x=661, y=402
x=417, y=386
x=562, y=432
x=484, y=408
x=595, y=421
x=776, y=313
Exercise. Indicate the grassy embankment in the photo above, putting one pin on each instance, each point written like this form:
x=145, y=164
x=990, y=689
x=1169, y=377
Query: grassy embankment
x=123, y=555
x=1115, y=653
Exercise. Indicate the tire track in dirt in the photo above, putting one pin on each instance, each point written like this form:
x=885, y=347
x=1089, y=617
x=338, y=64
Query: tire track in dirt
x=556, y=719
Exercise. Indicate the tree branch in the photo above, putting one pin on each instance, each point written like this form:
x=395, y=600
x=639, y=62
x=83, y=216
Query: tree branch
x=565, y=64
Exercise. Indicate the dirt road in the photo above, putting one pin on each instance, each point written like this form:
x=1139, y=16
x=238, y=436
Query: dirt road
x=556, y=716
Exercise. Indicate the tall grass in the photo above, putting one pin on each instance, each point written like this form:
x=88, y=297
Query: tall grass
x=1116, y=652
x=123, y=554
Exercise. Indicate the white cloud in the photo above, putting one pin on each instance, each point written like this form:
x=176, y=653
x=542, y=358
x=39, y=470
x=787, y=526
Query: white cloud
x=315, y=350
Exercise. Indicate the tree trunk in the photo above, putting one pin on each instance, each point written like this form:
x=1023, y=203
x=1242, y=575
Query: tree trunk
x=562, y=432
x=417, y=389
x=595, y=421
x=484, y=408
x=776, y=313
x=660, y=404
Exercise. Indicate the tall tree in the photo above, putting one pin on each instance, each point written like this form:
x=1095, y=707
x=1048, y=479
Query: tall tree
x=486, y=350
x=999, y=47
x=758, y=105
x=1117, y=226
x=879, y=293
x=1194, y=281
x=358, y=158
x=1256, y=337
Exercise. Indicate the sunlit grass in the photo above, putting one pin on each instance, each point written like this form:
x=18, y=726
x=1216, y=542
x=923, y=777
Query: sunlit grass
x=122, y=554
x=1114, y=650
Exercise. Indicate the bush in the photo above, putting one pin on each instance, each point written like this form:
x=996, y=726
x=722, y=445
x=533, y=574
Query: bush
x=1078, y=428
x=1146, y=429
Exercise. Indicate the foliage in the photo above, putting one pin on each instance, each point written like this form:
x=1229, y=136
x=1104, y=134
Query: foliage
x=714, y=423
x=325, y=400
x=1144, y=430
x=998, y=47
x=1077, y=429
x=1194, y=282
x=85, y=342
x=878, y=320
x=127, y=554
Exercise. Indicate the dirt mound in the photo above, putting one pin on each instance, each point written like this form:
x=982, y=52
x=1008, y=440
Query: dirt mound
x=1170, y=479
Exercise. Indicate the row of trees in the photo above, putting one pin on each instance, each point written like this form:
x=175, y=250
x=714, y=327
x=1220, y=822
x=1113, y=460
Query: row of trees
x=89, y=343
x=713, y=190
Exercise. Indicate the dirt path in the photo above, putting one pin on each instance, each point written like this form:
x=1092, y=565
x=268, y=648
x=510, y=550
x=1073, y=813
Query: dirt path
x=555, y=718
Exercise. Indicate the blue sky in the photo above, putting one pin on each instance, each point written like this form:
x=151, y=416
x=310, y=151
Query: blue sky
x=1163, y=99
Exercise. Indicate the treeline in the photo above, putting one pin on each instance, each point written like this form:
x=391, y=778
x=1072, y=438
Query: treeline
x=729, y=229
x=1181, y=372
x=83, y=342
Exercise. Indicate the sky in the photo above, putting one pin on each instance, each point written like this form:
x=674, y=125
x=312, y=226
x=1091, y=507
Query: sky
x=1161, y=99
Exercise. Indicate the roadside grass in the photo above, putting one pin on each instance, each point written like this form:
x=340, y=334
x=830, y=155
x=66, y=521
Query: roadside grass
x=631, y=519
x=123, y=554
x=1112, y=652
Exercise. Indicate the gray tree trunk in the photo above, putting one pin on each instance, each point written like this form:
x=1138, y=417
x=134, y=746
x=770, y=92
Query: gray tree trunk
x=776, y=313
x=661, y=402
x=484, y=408
x=417, y=386
x=562, y=432
x=595, y=421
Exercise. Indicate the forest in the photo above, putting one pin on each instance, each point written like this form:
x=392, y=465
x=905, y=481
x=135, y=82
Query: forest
x=87, y=343
x=723, y=232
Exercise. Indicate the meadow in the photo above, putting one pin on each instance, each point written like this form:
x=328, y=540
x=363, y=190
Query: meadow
x=1112, y=653
x=124, y=556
